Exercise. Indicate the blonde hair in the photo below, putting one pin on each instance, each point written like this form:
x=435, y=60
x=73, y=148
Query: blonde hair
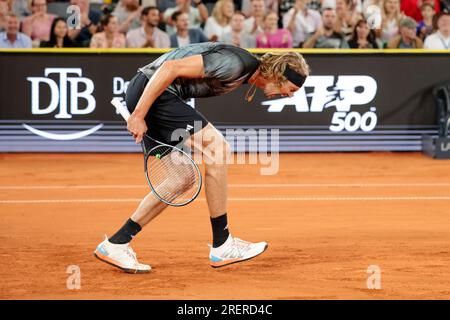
x=398, y=14
x=217, y=12
x=273, y=65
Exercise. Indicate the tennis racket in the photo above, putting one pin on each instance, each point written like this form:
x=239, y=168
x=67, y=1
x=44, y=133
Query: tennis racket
x=172, y=175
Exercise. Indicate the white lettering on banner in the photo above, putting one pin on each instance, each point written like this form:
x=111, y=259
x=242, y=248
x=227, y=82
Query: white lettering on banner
x=445, y=147
x=341, y=92
x=120, y=86
x=59, y=98
x=61, y=92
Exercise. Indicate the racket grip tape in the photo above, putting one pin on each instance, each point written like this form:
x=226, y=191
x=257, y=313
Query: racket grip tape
x=123, y=111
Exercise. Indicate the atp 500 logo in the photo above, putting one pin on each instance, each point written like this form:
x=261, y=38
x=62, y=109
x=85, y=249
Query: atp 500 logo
x=341, y=92
x=64, y=98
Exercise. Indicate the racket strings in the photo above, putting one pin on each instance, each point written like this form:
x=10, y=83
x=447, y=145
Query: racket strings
x=172, y=175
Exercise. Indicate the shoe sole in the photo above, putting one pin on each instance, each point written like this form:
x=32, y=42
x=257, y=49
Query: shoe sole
x=109, y=261
x=227, y=263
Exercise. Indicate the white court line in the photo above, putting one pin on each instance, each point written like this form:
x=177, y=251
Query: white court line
x=329, y=198
x=251, y=185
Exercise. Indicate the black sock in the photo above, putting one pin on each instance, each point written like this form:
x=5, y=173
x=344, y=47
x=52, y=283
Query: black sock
x=220, y=230
x=126, y=233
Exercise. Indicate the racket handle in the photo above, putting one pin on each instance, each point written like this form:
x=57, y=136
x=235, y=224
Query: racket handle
x=120, y=108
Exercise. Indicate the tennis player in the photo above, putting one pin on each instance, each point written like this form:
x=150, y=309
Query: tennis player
x=156, y=97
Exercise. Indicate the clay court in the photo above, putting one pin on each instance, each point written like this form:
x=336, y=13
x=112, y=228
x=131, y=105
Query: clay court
x=326, y=217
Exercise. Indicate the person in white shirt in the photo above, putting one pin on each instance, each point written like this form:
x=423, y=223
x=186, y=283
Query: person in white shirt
x=219, y=22
x=301, y=22
x=255, y=23
x=440, y=40
x=148, y=35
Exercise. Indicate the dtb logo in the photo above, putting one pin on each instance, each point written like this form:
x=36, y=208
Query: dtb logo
x=64, y=99
x=341, y=92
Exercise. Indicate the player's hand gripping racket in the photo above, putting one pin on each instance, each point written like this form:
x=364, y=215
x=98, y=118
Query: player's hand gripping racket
x=171, y=173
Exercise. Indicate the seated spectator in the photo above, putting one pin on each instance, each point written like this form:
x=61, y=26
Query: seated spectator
x=128, y=13
x=363, y=37
x=440, y=40
x=12, y=38
x=37, y=26
x=89, y=20
x=273, y=37
x=347, y=16
x=238, y=36
x=110, y=37
x=408, y=38
x=219, y=21
x=425, y=27
x=184, y=34
x=196, y=15
x=412, y=8
x=325, y=36
x=4, y=9
x=59, y=35
x=301, y=21
x=149, y=35
x=391, y=16
x=255, y=24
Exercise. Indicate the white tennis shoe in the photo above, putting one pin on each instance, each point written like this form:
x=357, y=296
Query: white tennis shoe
x=235, y=250
x=121, y=256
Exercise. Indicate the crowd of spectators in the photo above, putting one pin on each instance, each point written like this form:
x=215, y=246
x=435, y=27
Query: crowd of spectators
x=332, y=24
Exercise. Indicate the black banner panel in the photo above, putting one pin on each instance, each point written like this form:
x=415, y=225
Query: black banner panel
x=54, y=102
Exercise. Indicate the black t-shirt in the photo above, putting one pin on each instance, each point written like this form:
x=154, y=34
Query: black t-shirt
x=226, y=67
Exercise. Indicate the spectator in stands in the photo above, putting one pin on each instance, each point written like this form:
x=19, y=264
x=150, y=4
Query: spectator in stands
x=12, y=38
x=184, y=34
x=219, y=21
x=110, y=37
x=149, y=35
x=128, y=13
x=37, y=26
x=426, y=27
x=196, y=15
x=326, y=36
x=407, y=39
x=90, y=18
x=347, y=16
x=270, y=5
x=391, y=17
x=238, y=36
x=440, y=40
x=59, y=35
x=4, y=9
x=363, y=37
x=273, y=37
x=412, y=8
x=255, y=24
x=301, y=21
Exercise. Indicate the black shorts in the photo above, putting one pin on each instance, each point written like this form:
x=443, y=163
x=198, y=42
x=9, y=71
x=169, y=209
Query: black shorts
x=167, y=114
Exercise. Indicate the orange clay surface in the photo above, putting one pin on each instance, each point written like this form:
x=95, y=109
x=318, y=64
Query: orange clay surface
x=326, y=217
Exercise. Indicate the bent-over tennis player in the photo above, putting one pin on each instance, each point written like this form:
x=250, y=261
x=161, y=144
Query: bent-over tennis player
x=156, y=97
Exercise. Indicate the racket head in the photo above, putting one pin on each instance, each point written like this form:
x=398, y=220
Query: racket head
x=173, y=176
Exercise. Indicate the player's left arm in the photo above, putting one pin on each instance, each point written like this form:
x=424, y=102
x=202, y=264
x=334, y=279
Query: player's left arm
x=189, y=67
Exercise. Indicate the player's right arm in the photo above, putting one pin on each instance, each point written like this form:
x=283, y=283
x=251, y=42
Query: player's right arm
x=189, y=67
